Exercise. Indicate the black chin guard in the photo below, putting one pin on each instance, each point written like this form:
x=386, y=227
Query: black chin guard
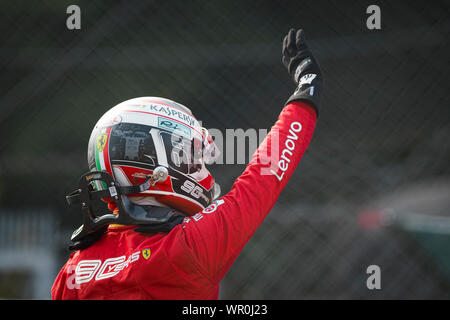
x=150, y=219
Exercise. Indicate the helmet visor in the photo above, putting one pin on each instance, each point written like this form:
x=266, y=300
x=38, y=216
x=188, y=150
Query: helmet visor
x=134, y=144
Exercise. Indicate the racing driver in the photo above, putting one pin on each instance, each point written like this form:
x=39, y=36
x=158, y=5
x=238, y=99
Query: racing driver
x=167, y=234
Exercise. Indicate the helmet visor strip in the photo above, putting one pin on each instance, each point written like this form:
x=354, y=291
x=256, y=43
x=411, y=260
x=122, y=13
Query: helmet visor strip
x=132, y=144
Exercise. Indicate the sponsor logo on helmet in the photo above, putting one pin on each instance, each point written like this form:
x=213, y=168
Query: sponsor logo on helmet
x=174, y=126
x=172, y=112
x=101, y=142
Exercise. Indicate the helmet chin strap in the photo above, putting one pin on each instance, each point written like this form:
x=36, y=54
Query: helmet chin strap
x=160, y=218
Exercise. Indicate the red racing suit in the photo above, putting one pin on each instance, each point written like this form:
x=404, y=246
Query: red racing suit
x=190, y=261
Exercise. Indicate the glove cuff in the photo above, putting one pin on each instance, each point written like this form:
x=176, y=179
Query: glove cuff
x=309, y=93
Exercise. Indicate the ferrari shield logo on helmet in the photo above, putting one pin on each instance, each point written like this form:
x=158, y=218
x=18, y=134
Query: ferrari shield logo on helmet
x=101, y=142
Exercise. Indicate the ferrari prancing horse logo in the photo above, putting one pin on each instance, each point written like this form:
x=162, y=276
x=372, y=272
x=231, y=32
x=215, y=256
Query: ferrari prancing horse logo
x=146, y=253
x=101, y=142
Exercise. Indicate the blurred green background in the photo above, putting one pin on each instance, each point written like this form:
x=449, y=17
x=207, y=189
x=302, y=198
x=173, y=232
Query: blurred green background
x=381, y=140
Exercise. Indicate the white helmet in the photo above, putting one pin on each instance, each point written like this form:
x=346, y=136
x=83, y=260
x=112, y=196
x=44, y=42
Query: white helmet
x=139, y=135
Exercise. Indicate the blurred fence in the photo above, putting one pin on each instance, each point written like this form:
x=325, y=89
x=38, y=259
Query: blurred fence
x=384, y=123
x=28, y=251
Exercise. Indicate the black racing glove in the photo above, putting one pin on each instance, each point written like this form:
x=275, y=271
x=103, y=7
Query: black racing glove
x=303, y=68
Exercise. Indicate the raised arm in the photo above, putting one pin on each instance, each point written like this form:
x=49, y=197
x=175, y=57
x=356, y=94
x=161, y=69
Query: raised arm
x=217, y=235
